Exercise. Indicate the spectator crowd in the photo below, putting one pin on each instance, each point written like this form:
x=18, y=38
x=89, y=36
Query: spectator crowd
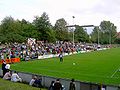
x=32, y=51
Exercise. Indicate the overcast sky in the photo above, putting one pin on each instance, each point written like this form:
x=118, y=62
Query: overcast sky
x=85, y=11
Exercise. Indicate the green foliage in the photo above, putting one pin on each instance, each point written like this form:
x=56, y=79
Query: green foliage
x=44, y=27
x=117, y=40
x=107, y=33
x=61, y=31
x=81, y=35
x=8, y=85
x=7, y=25
x=16, y=31
x=94, y=35
x=9, y=31
x=28, y=30
x=41, y=29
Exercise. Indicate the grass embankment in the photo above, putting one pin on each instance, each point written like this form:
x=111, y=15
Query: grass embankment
x=8, y=85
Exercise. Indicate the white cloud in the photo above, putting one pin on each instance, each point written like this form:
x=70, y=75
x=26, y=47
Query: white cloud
x=85, y=11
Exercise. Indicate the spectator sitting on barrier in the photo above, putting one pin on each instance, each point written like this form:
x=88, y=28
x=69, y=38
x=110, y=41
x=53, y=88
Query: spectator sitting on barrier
x=51, y=85
x=15, y=77
x=7, y=76
x=37, y=82
x=57, y=85
x=72, y=85
x=33, y=80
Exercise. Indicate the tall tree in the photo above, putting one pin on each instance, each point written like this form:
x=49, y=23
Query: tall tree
x=81, y=35
x=16, y=31
x=61, y=31
x=108, y=32
x=6, y=25
x=95, y=34
x=28, y=30
x=44, y=27
x=10, y=30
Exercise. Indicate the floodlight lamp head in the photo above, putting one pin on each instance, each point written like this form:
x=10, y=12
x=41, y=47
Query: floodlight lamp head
x=73, y=16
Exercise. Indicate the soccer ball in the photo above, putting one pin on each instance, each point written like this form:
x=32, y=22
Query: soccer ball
x=73, y=63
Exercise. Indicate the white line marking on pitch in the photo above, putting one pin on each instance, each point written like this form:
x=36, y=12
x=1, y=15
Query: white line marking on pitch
x=115, y=72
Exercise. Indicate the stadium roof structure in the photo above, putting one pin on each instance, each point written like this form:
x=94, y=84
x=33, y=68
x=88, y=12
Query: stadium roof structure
x=80, y=26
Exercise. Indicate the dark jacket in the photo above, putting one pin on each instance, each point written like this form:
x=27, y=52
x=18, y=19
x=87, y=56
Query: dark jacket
x=72, y=86
x=57, y=86
x=3, y=66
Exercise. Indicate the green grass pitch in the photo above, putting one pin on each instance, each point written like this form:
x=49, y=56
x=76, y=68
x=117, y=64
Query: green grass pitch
x=97, y=67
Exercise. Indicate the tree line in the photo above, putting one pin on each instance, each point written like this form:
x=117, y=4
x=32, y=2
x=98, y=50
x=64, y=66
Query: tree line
x=41, y=29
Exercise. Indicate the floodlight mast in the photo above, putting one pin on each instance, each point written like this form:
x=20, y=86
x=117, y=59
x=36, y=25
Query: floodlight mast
x=73, y=30
x=98, y=35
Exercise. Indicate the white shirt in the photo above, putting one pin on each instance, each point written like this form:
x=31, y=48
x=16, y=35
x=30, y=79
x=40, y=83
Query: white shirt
x=7, y=66
x=60, y=55
x=15, y=77
x=7, y=75
x=2, y=57
x=31, y=82
x=103, y=89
